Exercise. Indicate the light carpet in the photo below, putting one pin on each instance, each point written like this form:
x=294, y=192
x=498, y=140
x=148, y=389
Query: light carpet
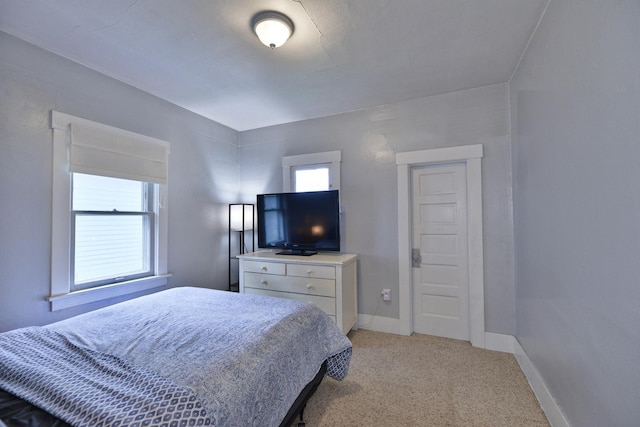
x=423, y=380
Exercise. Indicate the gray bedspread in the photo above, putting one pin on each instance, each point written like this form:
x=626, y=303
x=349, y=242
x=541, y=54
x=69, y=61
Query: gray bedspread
x=244, y=358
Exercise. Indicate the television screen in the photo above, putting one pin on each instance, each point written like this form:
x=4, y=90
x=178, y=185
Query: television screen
x=299, y=223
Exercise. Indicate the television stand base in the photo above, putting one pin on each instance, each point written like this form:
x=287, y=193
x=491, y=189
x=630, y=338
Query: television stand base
x=299, y=252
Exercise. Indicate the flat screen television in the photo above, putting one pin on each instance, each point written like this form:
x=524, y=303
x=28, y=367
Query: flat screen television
x=299, y=223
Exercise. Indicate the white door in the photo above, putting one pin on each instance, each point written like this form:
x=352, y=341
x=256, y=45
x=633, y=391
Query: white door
x=440, y=261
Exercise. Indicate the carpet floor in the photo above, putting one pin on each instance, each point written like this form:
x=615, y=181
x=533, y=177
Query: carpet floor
x=422, y=380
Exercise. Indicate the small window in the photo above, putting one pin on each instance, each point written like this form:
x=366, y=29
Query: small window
x=311, y=172
x=112, y=230
x=310, y=178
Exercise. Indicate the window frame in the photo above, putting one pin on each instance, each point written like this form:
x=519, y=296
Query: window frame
x=291, y=163
x=62, y=293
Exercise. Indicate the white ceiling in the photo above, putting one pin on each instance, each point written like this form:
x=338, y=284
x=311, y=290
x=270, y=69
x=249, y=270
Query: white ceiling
x=344, y=55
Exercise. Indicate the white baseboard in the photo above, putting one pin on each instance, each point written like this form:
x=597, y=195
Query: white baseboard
x=549, y=406
x=492, y=341
x=499, y=342
x=380, y=324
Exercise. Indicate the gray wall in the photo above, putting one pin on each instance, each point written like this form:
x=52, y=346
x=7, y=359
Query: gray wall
x=576, y=150
x=202, y=175
x=369, y=140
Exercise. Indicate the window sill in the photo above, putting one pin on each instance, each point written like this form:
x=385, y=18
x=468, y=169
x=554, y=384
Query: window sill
x=72, y=299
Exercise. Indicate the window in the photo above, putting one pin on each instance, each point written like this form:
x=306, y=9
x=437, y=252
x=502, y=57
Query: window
x=310, y=178
x=109, y=220
x=111, y=230
x=312, y=172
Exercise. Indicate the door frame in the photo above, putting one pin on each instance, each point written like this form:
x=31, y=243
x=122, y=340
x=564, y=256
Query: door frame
x=471, y=156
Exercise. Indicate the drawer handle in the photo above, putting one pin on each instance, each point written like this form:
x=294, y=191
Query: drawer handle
x=309, y=286
x=264, y=268
x=264, y=282
x=309, y=272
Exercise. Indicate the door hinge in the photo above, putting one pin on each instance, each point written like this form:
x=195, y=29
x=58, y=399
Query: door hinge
x=416, y=258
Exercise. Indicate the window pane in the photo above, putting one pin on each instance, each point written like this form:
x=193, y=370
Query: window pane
x=110, y=246
x=312, y=179
x=99, y=193
x=116, y=245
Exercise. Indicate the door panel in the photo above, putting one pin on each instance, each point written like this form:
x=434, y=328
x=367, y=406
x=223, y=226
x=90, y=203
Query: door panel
x=440, y=283
x=437, y=305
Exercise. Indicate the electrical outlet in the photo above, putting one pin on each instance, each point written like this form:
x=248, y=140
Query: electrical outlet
x=386, y=294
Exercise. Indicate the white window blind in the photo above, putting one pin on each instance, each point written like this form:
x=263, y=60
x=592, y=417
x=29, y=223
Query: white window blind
x=104, y=151
x=109, y=249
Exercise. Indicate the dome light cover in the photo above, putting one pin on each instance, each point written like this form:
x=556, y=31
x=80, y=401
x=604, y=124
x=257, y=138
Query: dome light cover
x=272, y=28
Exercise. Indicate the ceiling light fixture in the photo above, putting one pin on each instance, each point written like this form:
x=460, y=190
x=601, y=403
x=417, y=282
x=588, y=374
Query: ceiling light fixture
x=272, y=28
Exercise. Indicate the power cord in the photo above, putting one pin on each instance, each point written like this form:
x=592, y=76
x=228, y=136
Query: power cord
x=375, y=312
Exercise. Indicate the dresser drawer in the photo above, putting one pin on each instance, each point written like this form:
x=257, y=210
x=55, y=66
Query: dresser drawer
x=326, y=304
x=265, y=267
x=302, y=285
x=317, y=271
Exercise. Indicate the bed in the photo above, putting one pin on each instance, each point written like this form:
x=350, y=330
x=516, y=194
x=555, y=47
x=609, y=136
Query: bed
x=183, y=356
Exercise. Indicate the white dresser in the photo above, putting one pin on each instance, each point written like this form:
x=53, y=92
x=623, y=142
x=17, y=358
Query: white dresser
x=327, y=280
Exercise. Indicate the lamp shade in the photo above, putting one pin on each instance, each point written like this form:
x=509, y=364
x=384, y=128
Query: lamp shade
x=272, y=28
x=236, y=218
